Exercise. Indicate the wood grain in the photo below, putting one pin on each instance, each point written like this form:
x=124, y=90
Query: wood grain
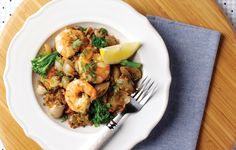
x=219, y=124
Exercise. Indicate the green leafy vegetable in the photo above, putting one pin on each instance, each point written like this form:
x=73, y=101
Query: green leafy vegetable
x=59, y=73
x=82, y=29
x=103, y=30
x=99, y=42
x=90, y=69
x=64, y=117
x=77, y=43
x=99, y=113
x=84, y=53
x=115, y=88
x=41, y=64
x=130, y=64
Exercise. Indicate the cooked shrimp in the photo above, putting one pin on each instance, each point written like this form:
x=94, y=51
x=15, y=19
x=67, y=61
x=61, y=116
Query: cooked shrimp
x=79, y=95
x=68, y=42
x=91, y=67
x=77, y=78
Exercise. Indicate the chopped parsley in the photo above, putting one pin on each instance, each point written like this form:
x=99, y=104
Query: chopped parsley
x=83, y=29
x=64, y=117
x=76, y=43
x=115, y=88
x=99, y=42
x=90, y=69
x=103, y=30
x=84, y=53
x=59, y=73
x=99, y=113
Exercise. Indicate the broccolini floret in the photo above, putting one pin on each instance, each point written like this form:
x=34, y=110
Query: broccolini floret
x=99, y=113
x=41, y=64
x=129, y=63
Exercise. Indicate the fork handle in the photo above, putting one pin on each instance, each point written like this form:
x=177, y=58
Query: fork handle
x=100, y=139
x=104, y=134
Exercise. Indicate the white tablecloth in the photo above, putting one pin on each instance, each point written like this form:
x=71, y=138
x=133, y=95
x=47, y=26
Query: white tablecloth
x=229, y=7
x=7, y=8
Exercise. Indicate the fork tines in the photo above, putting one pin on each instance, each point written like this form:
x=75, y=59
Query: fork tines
x=145, y=90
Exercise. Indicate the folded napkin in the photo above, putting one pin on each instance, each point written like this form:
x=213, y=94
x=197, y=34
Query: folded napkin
x=192, y=52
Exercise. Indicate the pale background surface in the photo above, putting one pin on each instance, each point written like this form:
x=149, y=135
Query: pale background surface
x=7, y=8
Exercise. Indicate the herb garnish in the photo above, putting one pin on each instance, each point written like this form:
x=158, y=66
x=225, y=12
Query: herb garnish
x=59, y=73
x=99, y=113
x=90, y=69
x=64, y=117
x=76, y=43
x=115, y=88
x=82, y=29
x=99, y=42
x=103, y=30
x=84, y=53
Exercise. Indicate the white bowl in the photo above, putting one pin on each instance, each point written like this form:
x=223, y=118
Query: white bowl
x=122, y=21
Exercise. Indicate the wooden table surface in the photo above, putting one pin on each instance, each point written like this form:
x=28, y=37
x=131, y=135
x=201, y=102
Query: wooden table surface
x=218, y=129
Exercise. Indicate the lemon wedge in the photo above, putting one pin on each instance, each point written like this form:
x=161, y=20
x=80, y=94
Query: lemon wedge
x=115, y=54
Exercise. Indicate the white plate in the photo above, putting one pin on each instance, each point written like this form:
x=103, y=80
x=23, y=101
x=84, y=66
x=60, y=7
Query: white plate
x=122, y=21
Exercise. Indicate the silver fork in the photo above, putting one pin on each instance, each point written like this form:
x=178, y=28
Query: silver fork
x=139, y=98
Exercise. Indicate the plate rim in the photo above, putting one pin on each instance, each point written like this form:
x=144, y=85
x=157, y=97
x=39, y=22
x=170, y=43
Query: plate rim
x=35, y=15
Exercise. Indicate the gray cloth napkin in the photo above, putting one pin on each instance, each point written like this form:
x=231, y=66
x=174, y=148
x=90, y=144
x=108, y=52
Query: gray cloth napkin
x=192, y=52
